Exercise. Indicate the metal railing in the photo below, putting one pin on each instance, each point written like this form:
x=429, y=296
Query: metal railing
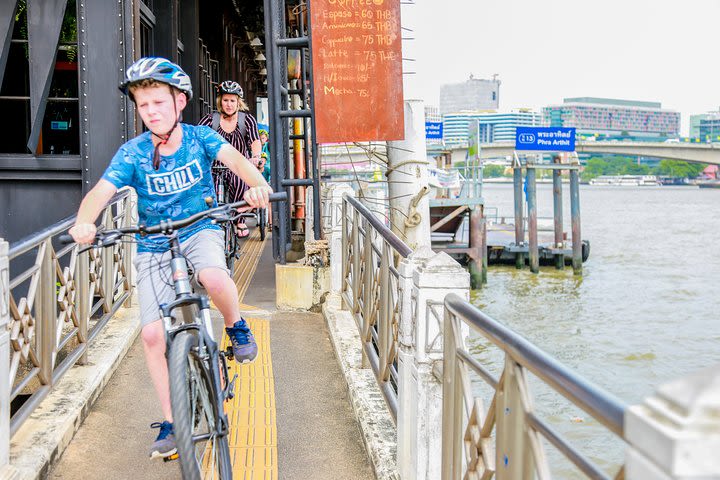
x=60, y=304
x=370, y=291
x=468, y=426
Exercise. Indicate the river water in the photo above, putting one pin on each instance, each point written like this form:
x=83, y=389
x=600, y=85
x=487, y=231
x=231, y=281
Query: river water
x=643, y=313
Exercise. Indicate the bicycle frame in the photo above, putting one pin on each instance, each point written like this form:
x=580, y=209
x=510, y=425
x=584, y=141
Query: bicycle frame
x=201, y=322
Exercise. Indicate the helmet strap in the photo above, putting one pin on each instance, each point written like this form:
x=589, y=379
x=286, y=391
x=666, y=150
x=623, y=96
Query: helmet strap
x=166, y=137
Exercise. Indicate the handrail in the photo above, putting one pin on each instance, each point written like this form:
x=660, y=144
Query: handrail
x=370, y=291
x=605, y=407
x=519, y=430
x=32, y=240
x=59, y=303
x=383, y=230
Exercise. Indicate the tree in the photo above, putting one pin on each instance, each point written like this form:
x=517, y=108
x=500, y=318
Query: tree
x=677, y=168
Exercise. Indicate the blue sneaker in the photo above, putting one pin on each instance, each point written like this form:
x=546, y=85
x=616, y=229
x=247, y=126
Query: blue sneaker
x=244, y=348
x=164, y=444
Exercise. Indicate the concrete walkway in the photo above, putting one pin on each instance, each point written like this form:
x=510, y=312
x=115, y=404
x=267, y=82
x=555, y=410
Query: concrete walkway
x=317, y=434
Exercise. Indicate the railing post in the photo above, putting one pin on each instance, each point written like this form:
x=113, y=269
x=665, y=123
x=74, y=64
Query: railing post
x=108, y=265
x=338, y=237
x=82, y=300
x=675, y=434
x=368, y=295
x=128, y=247
x=513, y=455
x=420, y=393
x=46, y=311
x=4, y=356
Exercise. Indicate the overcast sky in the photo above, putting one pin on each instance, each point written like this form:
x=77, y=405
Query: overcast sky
x=544, y=51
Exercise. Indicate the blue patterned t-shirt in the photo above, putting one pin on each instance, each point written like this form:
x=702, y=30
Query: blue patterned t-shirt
x=177, y=189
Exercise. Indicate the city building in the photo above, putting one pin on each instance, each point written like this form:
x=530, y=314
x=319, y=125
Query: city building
x=494, y=127
x=611, y=117
x=475, y=94
x=705, y=126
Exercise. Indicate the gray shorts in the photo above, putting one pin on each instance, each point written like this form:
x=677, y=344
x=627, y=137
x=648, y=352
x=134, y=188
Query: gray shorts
x=205, y=249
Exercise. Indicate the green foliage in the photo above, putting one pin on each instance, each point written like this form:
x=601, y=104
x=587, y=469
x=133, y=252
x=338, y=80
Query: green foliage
x=493, y=171
x=628, y=166
x=677, y=168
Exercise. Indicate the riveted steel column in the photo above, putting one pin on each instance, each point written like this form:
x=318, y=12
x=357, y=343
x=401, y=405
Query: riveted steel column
x=101, y=29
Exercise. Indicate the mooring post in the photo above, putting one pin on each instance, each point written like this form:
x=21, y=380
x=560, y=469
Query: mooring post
x=575, y=218
x=558, y=213
x=483, y=244
x=519, y=220
x=532, y=217
x=475, y=265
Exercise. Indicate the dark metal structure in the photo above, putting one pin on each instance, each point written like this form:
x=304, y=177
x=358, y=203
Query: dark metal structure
x=64, y=118
x=287, y=29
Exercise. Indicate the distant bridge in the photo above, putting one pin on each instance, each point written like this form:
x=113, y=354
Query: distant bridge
x=690, y=152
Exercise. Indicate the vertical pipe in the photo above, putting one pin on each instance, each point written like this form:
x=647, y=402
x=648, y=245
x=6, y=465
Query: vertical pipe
x=519, y=220
x=476, y=260
x=575, y=220
x=532, y=218
x=299, y=157
x=558, y=213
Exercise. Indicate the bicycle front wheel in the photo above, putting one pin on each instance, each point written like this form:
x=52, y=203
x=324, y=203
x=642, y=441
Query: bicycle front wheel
x=196, y=407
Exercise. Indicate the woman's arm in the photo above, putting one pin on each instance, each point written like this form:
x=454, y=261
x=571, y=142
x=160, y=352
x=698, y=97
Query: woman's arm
x=256, y=196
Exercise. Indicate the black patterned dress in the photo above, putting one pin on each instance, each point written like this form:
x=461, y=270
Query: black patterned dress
x=234, y=185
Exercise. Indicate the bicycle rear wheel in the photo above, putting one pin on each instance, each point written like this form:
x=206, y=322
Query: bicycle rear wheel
x=196, y=406
x=262, y=222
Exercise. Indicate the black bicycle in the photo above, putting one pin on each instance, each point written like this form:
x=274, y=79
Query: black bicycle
x=199, y=381
x=232, y=244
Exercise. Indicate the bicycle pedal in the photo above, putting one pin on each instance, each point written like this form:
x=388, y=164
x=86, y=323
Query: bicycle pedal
x=172, y=457
x=229, y=353
x=231, y=388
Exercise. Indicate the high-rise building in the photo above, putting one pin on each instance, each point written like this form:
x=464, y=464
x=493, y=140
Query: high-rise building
x=607, y=116
x=494, y=127
x=705, y=126
x=475, y=94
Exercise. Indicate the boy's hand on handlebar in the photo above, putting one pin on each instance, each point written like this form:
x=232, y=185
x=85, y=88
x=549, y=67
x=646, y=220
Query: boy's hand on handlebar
x=83, y=233
x=258, y=197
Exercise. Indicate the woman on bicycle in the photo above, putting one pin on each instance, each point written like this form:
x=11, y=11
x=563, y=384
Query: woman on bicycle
x=169, y=166
x=233, y=122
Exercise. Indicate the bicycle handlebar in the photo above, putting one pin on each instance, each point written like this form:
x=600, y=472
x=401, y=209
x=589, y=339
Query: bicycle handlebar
x=166, y=227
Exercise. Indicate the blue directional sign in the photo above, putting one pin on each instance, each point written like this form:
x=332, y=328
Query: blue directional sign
x=433, y=130
x=558, y=139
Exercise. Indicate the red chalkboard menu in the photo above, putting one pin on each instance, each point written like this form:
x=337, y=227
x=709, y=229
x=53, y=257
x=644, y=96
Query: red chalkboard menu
x=357, y=70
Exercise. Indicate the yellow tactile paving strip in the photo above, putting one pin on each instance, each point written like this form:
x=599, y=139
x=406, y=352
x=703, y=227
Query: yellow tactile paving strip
x=253, y=431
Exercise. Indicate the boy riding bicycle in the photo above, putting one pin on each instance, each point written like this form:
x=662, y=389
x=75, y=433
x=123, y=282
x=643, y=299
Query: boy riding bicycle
x=170, y=168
